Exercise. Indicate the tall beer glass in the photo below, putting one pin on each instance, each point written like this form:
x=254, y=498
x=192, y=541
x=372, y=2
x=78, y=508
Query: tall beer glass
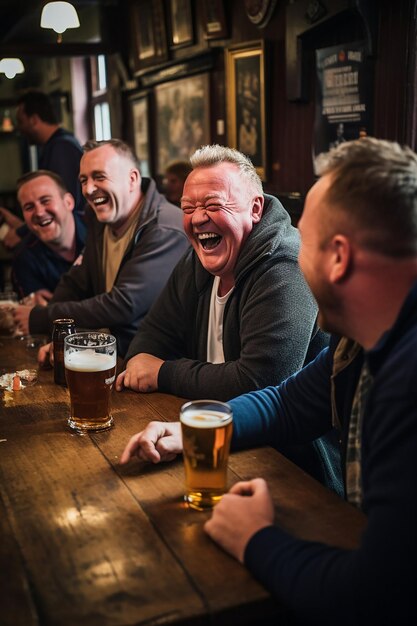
x=206, y=427
x=90, y=369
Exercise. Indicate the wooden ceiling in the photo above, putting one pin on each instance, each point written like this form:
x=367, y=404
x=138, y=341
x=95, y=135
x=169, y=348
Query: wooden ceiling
x=21, y=34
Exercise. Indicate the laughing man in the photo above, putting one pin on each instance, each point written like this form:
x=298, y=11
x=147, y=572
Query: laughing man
x=56, y=236
x=236, y=314
x=135, y=238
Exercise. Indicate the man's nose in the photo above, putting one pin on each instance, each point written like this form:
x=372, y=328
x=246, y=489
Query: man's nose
x=38, y=209
x=89, y=187
x=199, y=216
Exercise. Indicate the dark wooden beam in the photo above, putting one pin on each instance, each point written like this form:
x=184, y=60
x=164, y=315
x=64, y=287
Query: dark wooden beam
x=56, y=50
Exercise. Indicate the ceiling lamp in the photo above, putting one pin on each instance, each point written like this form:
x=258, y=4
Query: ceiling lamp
x=11, y=67
x=59, y=16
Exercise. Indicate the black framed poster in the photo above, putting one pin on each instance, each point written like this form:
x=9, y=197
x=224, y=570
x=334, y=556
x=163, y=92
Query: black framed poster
x=344, y=96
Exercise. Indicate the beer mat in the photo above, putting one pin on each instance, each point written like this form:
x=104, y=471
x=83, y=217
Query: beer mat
x=13, y=381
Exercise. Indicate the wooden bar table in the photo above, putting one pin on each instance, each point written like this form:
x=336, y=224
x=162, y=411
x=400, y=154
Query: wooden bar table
x=84, y=541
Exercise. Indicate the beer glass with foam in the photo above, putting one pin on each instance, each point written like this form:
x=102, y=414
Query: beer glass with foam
x=90, y=369
x=206, y=427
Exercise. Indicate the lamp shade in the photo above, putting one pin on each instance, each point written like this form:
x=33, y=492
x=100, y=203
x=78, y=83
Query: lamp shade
x=59, y=16
x=11, y=67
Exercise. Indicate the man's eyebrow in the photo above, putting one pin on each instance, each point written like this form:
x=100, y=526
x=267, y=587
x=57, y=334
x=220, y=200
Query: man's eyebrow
x=93, y=173
x=208, y=196
x=45, y=196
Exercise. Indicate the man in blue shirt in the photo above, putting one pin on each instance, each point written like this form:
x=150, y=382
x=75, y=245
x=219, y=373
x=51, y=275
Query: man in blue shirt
x=56, y=236
x=59, y=150
x=359, y=256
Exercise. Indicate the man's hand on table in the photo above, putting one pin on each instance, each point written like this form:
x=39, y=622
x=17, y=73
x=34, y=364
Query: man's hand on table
x=11, y=238
x=21, y=318
x=43, y=296
x=244, y=510
x=141, y=373
x=46, y=355
x=159, y=441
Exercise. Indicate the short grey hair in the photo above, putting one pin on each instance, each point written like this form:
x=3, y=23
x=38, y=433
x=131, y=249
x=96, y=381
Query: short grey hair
x=374, y=186
x=215, y=154
x=121, y=147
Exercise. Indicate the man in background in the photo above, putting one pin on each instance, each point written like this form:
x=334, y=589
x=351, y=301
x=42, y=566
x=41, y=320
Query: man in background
x=59, y=152
x=135, y=238
x=174, y=179
x=56, y=237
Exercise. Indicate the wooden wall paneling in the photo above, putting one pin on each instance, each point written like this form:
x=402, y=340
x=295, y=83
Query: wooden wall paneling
x=395, y=64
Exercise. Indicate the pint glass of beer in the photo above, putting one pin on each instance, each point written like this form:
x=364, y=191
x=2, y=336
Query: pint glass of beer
x=206, y=427
x=90, y=369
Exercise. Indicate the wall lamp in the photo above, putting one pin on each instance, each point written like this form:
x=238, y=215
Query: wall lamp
x=11, y=67
x=59, y=16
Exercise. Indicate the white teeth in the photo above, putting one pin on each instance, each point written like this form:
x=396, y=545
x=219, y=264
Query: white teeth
x=45, y=222
x=99, y=200
x=207, y=235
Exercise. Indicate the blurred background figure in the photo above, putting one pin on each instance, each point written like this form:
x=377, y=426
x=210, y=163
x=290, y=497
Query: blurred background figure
x=59, y=151
x=174, y=179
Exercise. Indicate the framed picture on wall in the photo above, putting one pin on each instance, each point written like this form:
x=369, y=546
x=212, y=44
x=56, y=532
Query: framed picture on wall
x=245, y=75
x=182, y=111
x=149, y=34
x=140, y=132
x=214, y=19
x=182, y=33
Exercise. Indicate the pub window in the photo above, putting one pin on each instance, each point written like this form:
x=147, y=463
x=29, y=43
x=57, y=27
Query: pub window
x=102, y=124
x=100, y=98
x=101, y=72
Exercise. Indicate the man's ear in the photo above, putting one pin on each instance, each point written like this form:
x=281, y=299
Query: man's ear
x=34, y=119
x=134, y=177
x=69, y=201
x=257, y=208
x=340, y=258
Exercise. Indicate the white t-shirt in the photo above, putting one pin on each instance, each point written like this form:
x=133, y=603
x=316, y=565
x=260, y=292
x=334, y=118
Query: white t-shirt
x=215, y=352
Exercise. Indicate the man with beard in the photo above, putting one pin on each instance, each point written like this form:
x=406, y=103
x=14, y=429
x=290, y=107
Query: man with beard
x=359, y=256
x=56, y=237
x=135, y=238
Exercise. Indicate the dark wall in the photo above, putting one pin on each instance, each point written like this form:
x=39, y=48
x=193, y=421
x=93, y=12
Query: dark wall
x=388, y=26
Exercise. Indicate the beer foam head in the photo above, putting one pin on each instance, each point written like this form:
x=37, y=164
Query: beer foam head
x=204, y=418
x=89, y=361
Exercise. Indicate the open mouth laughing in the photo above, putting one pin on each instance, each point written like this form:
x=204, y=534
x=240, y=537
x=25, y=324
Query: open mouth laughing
x=209, y=241
x=44, y=222
x=99, y=201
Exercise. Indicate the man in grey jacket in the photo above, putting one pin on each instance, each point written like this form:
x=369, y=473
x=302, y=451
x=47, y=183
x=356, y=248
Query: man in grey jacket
x=135, y=238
